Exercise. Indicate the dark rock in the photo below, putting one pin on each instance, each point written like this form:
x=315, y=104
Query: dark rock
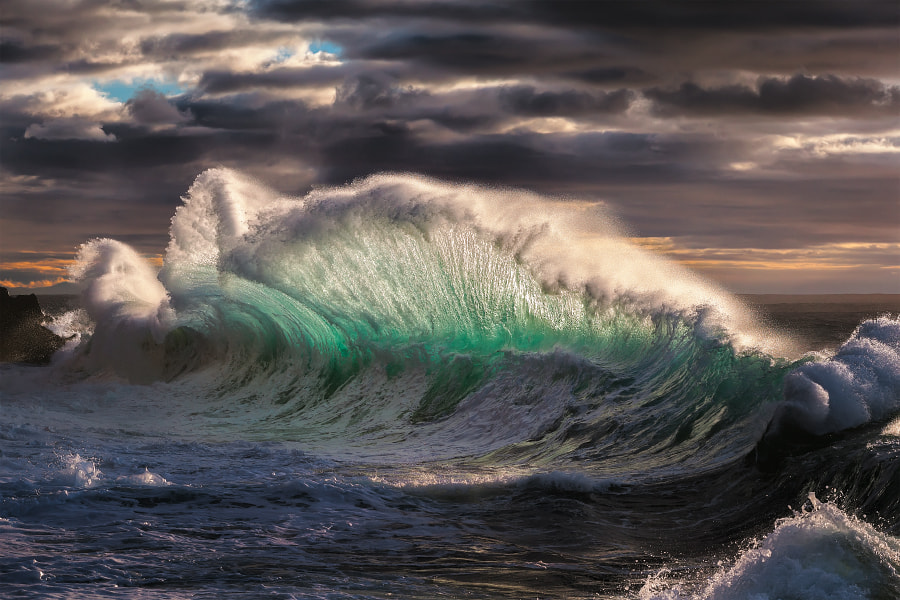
x=23, y=338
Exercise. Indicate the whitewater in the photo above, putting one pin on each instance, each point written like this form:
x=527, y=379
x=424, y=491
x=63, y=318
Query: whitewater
x=409, y=388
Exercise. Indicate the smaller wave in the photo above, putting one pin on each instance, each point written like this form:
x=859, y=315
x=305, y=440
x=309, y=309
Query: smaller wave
x=84, y=473
x=858, y=385
x=78, y=472
x=820, y=553
x=120, y=285
x=144, y=479
x=567, y=482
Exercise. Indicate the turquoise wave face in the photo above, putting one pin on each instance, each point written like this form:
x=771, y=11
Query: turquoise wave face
x=595, y=385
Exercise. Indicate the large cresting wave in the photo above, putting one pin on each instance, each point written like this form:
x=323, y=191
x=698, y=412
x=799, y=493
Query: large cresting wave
x=400, y=306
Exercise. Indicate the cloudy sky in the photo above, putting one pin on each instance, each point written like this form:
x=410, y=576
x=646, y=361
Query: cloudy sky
x=756, y=142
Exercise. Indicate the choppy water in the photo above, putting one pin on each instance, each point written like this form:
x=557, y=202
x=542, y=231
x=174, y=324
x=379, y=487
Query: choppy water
x=404, y=388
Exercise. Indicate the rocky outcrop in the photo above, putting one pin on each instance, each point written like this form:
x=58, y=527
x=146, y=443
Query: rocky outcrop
x=23, y=338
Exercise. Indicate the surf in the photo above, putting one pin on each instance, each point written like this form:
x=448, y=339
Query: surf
x=462, y=308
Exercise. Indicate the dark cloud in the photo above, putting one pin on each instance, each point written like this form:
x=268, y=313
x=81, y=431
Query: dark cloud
x=608, y=42
x=249, y=113
x=823, y=95
x=723, y=126
x=603, y=75
x=469, y=51
x=69, y=157
x=221, y=81
x=454, y=10
x=657, y=14
x=72, y=128
x=52, y=220
x=524, y=100
x=14, y=51
x=149, y=107
x=765, y=213
x=693, y=15
x=548, y=163
x=176, y=46
x=374, y=90
x=84, y=66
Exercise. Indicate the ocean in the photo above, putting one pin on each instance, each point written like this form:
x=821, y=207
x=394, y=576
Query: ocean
x=406, y=388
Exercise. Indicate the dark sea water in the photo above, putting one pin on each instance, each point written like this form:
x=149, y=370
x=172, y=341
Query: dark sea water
x=409, y=389
x=821, y=321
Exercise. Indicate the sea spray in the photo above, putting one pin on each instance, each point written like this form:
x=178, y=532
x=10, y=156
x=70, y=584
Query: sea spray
x=238, y=226
x=408, y=256
x=128, y=305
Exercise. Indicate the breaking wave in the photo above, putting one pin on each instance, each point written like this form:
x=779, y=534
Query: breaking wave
x=415, y=308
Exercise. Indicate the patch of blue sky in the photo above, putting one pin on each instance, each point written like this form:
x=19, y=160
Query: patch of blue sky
x=325, y=46
x=283, y=54
x=123, y=90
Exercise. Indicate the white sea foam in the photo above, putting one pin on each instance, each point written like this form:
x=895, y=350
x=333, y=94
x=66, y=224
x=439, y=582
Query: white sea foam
x=80, y=472
x=820, y=553
x=71, y=325
x=892, y=428
x=860, y=383
x=217, y=213
x=146, y=478
x=500, y=480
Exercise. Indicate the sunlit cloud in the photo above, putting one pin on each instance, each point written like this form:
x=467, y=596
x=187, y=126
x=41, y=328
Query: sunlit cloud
x=32, y=283
x=835, y=256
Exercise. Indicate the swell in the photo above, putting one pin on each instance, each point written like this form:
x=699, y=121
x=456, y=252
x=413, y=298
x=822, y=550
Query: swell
x=490, y=323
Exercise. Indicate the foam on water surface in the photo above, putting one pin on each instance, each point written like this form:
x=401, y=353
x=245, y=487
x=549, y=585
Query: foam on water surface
x=859, y=384
x=820, y=553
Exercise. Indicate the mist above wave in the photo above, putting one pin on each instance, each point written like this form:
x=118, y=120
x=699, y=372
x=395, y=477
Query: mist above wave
x=391, y=245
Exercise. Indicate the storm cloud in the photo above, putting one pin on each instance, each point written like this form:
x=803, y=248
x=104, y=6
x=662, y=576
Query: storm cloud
x=760, y=130
x=799, y=95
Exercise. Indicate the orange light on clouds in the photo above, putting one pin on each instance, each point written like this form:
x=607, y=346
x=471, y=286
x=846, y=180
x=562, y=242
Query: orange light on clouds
x=31, y=284
x=836, y=256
